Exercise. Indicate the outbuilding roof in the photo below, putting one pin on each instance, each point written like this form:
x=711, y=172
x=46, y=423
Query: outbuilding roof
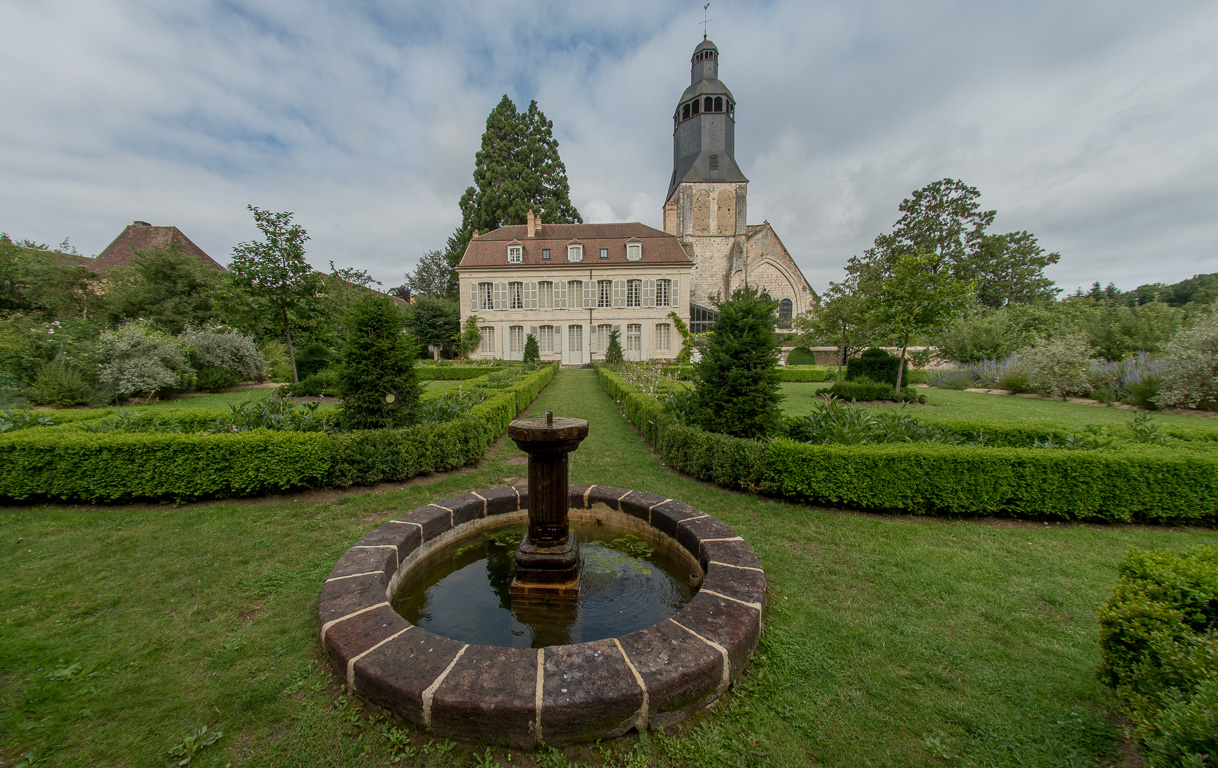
x=142, y=236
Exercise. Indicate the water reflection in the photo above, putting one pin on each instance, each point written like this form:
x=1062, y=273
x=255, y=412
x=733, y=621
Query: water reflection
x=627, y=585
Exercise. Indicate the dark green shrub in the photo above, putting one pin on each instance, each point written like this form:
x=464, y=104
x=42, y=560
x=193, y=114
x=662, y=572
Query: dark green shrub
x=57, y=383
x=212, y=378
x=314, y=358
x=377, y=376
x=532, y=352
x=786, y=373
x=613, y=353
x=1159, y=651
x=875, y=364
x=324, y=384
x=801, y=356
x=737, y=384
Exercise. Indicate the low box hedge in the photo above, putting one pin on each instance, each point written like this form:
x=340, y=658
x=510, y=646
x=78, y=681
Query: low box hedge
x=426, y=372
x=1126, y=483
x=71, y=464
x=791, y=373
x=1159, y=651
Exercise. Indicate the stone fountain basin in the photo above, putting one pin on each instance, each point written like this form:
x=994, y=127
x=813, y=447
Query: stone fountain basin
x=652, y=678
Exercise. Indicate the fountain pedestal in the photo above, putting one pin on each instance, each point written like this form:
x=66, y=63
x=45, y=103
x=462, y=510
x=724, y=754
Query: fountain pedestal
x=548, y=562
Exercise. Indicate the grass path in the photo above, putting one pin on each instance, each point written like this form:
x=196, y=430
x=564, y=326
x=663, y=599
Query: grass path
x=890, y=640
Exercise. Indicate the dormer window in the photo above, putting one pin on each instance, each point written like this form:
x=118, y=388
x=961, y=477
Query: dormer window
x=634, y=251
x=575, y=252
x=545, y=254
x=515, y=254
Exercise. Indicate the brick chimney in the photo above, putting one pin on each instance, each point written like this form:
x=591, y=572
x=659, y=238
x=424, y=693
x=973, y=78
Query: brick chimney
x=531, y=223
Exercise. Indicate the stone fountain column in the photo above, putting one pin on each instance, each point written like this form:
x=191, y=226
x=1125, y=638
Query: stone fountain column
x=548, y=562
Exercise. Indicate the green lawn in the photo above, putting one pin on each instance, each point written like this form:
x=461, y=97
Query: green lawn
x=957, y=404
x=889, y=640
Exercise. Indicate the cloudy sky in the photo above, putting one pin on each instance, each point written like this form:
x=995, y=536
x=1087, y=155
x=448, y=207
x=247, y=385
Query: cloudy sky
x=1093, y=124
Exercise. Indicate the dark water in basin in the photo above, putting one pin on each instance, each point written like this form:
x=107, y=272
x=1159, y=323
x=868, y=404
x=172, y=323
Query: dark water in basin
x=462, y=593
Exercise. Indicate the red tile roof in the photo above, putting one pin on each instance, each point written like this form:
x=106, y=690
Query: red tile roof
x=489, y=251
x=142, y=236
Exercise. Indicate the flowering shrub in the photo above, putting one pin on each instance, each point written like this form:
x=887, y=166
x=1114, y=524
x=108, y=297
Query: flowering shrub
x=137, y=360
x=1189, y=373
x=1133, y=380
x=227, y=349
x=1058, y=368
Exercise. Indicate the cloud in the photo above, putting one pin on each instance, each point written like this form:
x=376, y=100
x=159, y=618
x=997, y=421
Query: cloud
x=1089, y=125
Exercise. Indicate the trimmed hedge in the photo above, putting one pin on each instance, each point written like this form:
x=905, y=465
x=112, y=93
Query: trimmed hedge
x=866, y=390
x=1159, y=651
x=66, y=463
x=877, y=365
x=1134, y=482
x=801, y=356
x=427, y=372
x=805, y=374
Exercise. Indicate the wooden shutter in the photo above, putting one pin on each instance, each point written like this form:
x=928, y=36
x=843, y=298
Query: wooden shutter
x=530, y=295
x=500, y=295
x=589, y=294
x=674, y=293
x=560, y=294
x=619, y=293
x=649, y=293
x=473, y=297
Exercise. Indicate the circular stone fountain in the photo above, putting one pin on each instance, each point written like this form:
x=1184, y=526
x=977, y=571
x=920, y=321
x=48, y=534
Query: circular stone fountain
x=650, y=678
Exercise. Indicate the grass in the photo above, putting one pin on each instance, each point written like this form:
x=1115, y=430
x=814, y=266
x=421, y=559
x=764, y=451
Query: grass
x=957, y=404
x=889, y=641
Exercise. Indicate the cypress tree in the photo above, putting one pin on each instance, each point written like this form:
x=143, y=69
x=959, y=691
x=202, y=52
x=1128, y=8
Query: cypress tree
x=737, y=391
x=380, y=389
x=517, y=168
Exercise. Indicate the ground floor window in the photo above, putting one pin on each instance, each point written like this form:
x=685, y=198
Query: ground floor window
x=516, y=339
x=602, y=337
x=663, y=337
x=634, y=337
x=488, y=340
x=701, y=319
x=575, y=338
x=545, y=339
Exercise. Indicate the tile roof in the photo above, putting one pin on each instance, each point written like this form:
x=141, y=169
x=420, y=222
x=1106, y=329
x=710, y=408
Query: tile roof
x=143, y=237
x=490, y=250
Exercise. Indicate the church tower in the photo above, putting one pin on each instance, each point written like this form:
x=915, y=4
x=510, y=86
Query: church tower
x=706, y=202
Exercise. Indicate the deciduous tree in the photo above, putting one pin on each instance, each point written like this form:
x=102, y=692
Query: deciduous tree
x=274, y=275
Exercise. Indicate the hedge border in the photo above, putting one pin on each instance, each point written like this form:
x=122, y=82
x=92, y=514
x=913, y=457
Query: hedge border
x=68, y=464
x=1133, y=483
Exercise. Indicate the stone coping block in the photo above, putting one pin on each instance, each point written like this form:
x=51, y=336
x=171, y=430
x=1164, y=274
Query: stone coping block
x=652, y=678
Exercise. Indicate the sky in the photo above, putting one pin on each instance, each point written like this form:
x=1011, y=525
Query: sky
x=1091, y=124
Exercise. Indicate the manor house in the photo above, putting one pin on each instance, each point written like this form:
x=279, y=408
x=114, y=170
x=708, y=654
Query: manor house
x=570, y=284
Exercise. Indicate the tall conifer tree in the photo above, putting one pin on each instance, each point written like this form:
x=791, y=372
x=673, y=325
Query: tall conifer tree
x=517, y=168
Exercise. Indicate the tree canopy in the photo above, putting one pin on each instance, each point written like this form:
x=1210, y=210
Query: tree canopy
x=518, y=168
x=273, y=273
x=945, y=219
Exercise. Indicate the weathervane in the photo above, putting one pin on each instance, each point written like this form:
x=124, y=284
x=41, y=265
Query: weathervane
x=705, y=20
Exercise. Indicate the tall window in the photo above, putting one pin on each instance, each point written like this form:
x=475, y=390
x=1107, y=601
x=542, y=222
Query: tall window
x=784, y=313
x=663, y=291
x=602, y=337
x=516, y=295
x=545, y=295
x=516, y=339
x=515, y=254
x=663, y=337
x=634, y=337
x=575, y=338
x=634, y=251
x=604, y=293
x=545, y=338
x=575, y=252
x=485, y=290
x=488, y=340
x=575, y=292
x=634, y=290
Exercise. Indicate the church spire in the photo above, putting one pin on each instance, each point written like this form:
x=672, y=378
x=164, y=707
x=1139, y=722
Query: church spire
x=704, y=125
